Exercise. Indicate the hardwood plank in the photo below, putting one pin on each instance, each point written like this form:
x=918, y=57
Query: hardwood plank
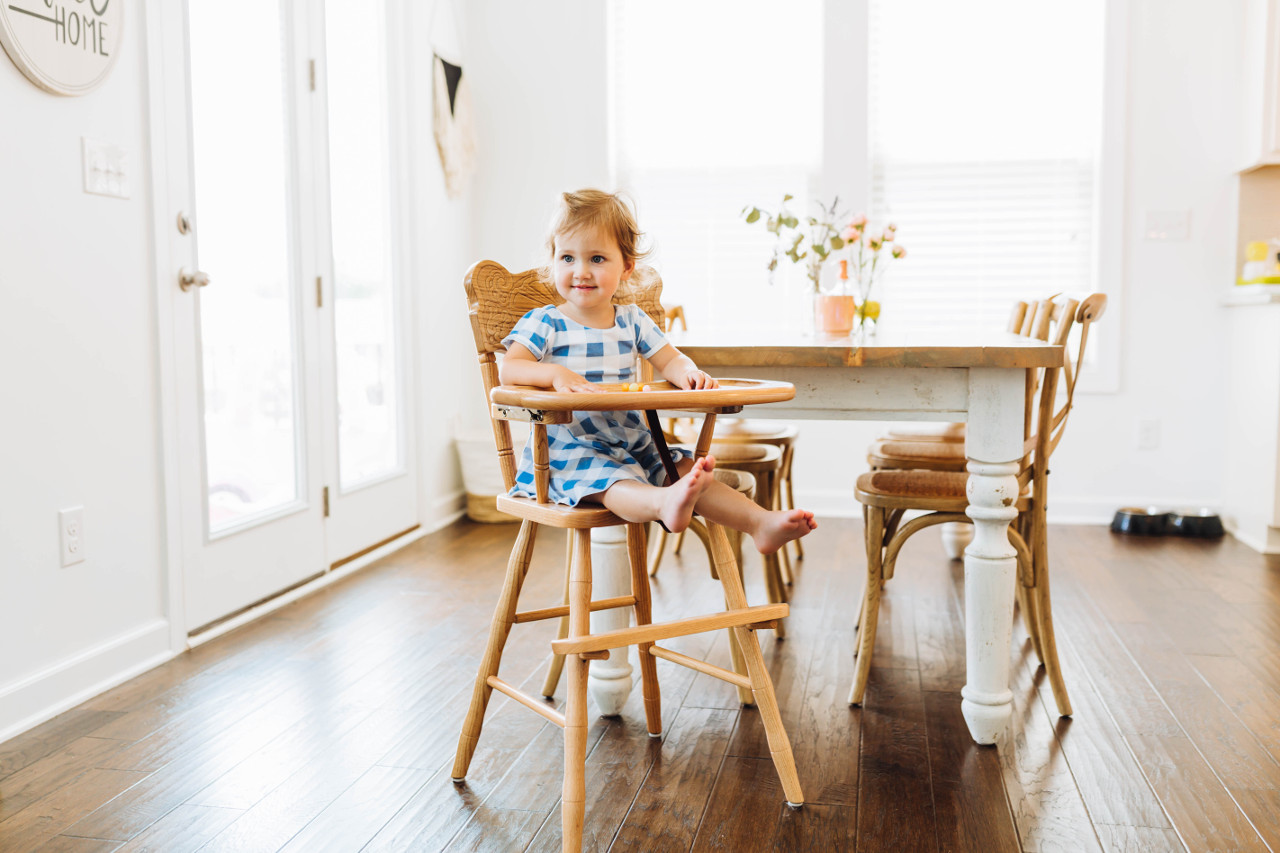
x=616, y=768
x=1043, y=795
x=183, y=830
x=50, y=736
x=1202, y=812
x=75, y=844
x=747, y=811
x=895, y=806
x=53, y=771
x=1111, y=783
x=825, y=731
x=498, y=829
x=1138, y=839
x=1251, y=700
x=58, y=810
x=968, y=783
x=670, y=803
x=360, y=811
x=1224, y=742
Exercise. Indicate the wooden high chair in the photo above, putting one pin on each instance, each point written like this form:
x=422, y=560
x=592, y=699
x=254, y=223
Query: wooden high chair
x=497, y=299
x=886, y=495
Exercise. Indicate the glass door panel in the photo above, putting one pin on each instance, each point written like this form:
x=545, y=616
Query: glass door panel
x=249, y=364
x=370, y=434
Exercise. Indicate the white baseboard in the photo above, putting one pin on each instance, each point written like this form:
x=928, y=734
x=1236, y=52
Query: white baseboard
x=41, y=696
x=841, y=503
x=446, y=510
x=273, y=604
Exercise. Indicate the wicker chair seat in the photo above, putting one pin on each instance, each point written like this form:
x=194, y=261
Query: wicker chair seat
x=936, y=491
x=934, y=455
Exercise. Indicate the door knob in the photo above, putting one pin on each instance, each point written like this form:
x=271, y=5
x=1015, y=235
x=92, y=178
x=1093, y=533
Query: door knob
x=188, y=279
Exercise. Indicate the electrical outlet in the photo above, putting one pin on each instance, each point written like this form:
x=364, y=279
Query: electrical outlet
x=71, y=535
x=1147, y=435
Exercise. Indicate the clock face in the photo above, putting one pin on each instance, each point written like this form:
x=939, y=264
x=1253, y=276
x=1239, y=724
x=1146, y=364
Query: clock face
x=64, y=46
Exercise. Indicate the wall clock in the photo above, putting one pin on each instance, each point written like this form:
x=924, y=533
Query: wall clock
x=64, y=46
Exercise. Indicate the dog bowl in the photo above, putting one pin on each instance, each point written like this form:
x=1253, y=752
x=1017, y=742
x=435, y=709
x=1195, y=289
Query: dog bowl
x=1197, y=523
x=1140, y=521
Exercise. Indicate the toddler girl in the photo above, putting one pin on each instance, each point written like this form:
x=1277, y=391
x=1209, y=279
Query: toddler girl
x=610, y=457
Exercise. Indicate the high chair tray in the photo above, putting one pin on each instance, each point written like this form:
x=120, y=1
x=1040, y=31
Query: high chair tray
x=730, y=397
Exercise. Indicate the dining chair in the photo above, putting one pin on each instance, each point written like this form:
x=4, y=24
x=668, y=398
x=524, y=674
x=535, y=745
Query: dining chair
x=496, y=299
x=1025, y=320
x=887, y=495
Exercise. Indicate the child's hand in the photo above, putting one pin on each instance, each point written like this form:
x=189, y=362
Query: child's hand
x=698, y=380
x=566, y=380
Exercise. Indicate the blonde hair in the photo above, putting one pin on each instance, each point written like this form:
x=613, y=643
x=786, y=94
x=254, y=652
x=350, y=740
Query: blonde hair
x=608, y=212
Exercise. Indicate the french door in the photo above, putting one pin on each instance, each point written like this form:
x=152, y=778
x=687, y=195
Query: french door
x=289, y=363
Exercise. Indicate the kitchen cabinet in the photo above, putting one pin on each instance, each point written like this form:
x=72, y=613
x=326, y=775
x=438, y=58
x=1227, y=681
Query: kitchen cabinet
x=1261, y=85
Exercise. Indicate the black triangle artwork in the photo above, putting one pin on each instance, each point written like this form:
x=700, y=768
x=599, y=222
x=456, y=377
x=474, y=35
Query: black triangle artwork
x=452, y=76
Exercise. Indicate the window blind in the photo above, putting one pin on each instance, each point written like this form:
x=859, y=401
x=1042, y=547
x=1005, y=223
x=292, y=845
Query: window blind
x=705, y=125
x=985, y=157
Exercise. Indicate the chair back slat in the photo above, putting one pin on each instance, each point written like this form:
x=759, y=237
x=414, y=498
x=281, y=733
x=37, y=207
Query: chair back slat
x=498, y=298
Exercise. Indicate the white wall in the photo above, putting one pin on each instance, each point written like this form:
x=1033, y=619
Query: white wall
x=80, y=403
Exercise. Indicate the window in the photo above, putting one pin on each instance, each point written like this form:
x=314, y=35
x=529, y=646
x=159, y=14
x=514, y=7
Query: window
x=990, y=133
x=717, y=105
x=986, y=156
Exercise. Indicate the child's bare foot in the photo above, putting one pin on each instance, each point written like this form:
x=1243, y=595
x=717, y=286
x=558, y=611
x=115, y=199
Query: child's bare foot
x=779, y=528
x=678, y=498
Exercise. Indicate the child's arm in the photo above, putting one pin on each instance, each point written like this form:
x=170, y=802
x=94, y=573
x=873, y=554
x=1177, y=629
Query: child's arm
x=519, y=367
x=680, y=370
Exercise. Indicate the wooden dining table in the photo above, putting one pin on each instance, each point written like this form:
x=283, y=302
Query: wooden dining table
x=970, y=376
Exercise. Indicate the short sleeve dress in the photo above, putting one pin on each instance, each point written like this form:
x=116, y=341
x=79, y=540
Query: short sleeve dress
x=596, y=449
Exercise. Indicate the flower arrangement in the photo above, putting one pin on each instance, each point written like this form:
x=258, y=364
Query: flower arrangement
x=867, y=257
x=811, y=240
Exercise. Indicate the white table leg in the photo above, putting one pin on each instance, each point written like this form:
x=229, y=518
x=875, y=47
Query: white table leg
x=609, y=681
x=955, y=538
x=994, y=446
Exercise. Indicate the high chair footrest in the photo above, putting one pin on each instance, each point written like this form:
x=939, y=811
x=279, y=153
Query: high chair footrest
x=664, y=630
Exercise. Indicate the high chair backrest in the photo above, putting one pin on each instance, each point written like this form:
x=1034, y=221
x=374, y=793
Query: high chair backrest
x=1049, y=417
x=497, y=298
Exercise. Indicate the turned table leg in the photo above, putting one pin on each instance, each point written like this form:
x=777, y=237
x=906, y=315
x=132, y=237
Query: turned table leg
x=994, y=447
x=609, y=681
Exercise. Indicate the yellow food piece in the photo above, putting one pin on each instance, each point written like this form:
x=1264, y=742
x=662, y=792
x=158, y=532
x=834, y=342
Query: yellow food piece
x=633, y=386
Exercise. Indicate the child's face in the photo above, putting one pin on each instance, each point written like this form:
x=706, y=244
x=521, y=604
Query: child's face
x=588, y=268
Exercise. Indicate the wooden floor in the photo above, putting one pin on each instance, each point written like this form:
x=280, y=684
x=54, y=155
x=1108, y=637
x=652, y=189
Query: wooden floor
x=331, y=724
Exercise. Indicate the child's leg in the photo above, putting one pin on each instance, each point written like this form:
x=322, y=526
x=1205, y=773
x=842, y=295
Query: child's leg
x=672, y=505
x=769, y=529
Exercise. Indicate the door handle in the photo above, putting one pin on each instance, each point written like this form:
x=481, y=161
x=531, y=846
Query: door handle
x=188, y=279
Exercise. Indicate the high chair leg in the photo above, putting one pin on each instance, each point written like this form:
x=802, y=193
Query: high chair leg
x=788, y=457
x=503, y=618
x=648, y=666
x=679, y=543
x=777, y=590
x=557, y=661
x=870, y=602
x=761, y=685
x=574, y=797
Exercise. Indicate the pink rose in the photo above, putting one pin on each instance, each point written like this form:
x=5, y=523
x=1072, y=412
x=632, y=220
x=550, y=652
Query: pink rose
x=859, y=221
x=899, y=251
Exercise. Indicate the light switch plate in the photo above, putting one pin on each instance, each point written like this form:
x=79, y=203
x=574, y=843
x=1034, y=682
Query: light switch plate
x=1167, y=226
x=105, y=168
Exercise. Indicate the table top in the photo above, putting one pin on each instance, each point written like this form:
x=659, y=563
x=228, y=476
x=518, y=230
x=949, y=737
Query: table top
x=711, y=348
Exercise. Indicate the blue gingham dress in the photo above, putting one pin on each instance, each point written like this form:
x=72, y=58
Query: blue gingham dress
x=597, y=449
